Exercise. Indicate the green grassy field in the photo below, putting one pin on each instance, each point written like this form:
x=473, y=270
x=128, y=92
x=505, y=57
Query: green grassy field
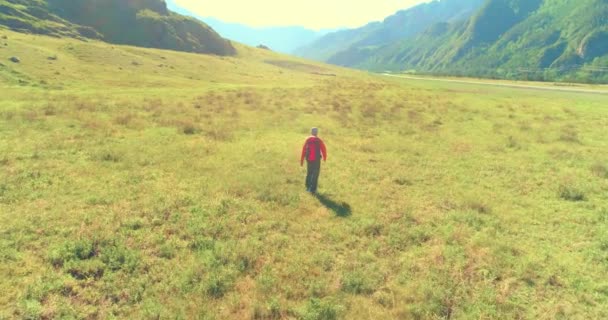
x=141, y=183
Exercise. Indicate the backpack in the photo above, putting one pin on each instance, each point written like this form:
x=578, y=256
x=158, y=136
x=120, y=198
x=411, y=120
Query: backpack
x=313, y=149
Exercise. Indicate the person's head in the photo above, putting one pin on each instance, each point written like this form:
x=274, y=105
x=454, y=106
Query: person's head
x=314, y=131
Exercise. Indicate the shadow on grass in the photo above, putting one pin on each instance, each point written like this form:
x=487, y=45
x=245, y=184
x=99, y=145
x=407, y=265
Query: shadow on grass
x=341, y=209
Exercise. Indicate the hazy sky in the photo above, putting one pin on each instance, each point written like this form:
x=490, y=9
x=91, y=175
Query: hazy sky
x=316, y=14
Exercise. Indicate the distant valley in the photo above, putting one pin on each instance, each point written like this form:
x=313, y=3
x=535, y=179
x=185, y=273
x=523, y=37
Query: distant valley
x=281, y=39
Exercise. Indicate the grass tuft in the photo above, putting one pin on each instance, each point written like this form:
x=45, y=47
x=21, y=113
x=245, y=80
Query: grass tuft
x=403, y=182
x=72, y=251
x=317, y=309
x=571, y=193
x=478, y=206
x=600, y=170
x=569, y=135
x=359, y=282
x=189, y=128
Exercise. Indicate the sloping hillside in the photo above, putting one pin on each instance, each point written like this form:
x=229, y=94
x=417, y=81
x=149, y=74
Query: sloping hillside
x=550, y=39
x=146, y=23
x=61, y=63
x=349, y=47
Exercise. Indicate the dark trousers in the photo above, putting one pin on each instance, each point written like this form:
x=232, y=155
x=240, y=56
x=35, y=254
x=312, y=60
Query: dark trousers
x=312, y=175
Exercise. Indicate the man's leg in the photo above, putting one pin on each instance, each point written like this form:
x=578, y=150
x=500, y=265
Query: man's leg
x=315, y=176
x=309, y=170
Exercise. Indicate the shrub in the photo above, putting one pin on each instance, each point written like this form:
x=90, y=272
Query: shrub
x=98, y=201
x=31, y=309
x=189, y=128
x=358, y=282
x=109, y=156
x=603, y=215
x=266, y=281
x=321, y=310
x=43, y=287
x=3, y=190
x=569, y=135
x=272, y=310
x=370, y=111
x=274, y=306
x=72, y=251
x=117, y=257
x=571, y=193
x=50, y=110
x=403, y=182
x=86, y=269
x=201, y=243
x=373, y=229
x=603, y=242
x=399, y=238
x=512, y=143
x=217, y=285
x=134, y=224
x=478, y=206
x=167, y=251
x=218, y=134
x=525, y=126
x=600, y=170
x=30, y=115
x=384, y=298
x=86, y=259
x=124, y=119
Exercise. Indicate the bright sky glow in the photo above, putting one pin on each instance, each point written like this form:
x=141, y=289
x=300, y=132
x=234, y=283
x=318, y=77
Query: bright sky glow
x=314, y=14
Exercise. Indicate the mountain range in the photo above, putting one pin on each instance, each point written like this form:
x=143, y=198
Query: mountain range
x=531, y=39
x=281, y=39
x=538, y=39
x=348, y=47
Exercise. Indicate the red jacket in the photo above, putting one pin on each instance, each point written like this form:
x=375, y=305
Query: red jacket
x=312, y=146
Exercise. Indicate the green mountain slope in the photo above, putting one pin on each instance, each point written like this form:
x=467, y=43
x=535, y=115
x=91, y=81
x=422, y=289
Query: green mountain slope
x=550, y=39
x=146, y=23
x=34, y=16
x=349, y=47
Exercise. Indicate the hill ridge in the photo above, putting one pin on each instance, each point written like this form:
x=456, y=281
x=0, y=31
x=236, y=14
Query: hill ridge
x=145, y=23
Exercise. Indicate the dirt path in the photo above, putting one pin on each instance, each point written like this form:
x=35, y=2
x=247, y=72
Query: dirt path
x=506, y=85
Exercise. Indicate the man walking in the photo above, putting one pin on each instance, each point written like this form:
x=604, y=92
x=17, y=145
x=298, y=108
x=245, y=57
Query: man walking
x=313, y=150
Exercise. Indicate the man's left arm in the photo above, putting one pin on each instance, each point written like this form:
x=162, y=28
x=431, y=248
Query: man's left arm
x=323, y=150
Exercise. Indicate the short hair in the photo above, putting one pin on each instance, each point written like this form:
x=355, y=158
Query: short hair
x=314, y=131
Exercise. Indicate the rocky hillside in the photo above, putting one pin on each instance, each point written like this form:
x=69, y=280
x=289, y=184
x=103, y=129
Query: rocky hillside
x=145, y=23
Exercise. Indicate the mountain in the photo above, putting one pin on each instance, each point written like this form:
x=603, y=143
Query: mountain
x=514, y=39
x=349, y=47
x=536, y=39
x=280, y=39
x=145, y=23
x=34, y=16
